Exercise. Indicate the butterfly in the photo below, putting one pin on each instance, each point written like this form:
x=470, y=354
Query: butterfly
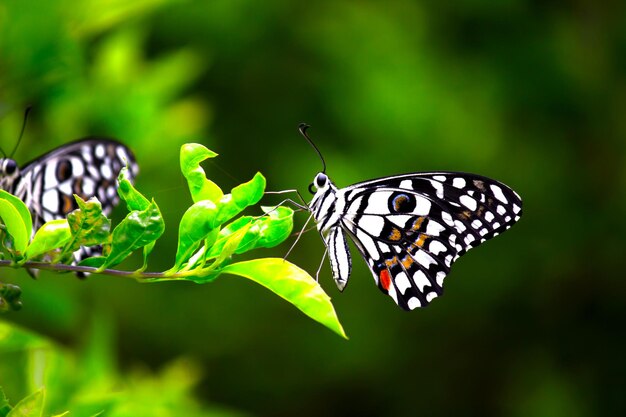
x=86, y=167
x=409, y=228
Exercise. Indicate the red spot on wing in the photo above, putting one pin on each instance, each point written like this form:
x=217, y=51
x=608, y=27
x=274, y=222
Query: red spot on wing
x=385, y=279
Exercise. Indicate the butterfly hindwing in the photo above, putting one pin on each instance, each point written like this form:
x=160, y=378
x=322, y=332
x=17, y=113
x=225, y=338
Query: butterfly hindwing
x=411, y=228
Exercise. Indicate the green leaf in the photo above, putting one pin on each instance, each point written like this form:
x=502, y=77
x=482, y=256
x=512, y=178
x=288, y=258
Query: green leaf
x=134, y=201
x=94, y=261
x=15, y=226
x=195, y=226
x=138, y=229
x=88, y=225
x=51, y=235
x=240, y=197
x=201, y=188
x=265, y=231
x=31, y=406
x=293, y=284
x=275, y=227
x=22, y=210
x=127, y=192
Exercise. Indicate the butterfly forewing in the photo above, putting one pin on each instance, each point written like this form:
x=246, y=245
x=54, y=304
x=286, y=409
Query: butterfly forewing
x=87, y=167
x=411, y=228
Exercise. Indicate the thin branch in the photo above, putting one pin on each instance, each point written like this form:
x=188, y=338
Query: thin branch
x=115, y=272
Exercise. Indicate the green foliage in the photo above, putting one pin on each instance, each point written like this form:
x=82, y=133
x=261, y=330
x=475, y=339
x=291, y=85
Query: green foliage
x=18, y=223
x=206, y=243
x=56, y=382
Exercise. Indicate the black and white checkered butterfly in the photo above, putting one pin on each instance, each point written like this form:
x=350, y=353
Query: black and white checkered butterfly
x=411, y=228
x=86, y=167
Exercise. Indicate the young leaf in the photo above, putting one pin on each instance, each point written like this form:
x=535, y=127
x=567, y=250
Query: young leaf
x=265, y=232
x=127, y=192
x=275, y=227
x=195, y=226
x=201, y=188
x=31, y=406
x=240, y=197
x=51, y=235
x=23, y=211
x=15, y=226
x=139, y=228
x=294, y=285
x=134, y=201
x=88, y=225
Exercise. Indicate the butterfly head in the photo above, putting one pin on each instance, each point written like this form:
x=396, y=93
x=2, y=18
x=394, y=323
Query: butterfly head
x=320, y=182
x=9, y=171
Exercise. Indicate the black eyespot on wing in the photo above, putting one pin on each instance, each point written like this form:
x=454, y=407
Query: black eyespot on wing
x=64, y=170
x=400, y=202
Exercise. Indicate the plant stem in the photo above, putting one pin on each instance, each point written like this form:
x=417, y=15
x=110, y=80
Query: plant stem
x=115, y=272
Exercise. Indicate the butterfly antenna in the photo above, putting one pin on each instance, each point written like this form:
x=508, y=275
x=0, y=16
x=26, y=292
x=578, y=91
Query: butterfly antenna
x=22, y=132
x=303, y=128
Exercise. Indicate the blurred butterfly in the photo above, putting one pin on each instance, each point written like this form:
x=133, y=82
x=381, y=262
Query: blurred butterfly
x=409, y=228
x=87, y=167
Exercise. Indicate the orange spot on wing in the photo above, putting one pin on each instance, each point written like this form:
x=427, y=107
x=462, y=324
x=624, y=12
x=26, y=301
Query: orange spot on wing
x=420, y=240
x=407, y=261
x=391, y=262
x=385, y=279
x=68, y=204
x=395, y=235
x=417, y=224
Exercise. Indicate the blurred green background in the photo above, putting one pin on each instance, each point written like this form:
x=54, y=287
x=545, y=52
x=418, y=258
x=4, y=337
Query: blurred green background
x=529, y=93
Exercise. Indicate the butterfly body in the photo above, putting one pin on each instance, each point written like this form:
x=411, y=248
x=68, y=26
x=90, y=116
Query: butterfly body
x=86, y=167
x=410, y=228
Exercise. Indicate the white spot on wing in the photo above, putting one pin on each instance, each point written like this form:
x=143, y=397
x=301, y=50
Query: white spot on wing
x=438, y=188
x=422, y=206
x=402, y=282
x=377, y=203
x=458, y=182
x=468, y=202
x=501, y=210
x=476, y=224
x=413, y=303
x=420, y=280
x=51, y=201
x=440, y=276
x=423, y=258
x=99, y=151
x=366, y=241
x=433, y=228
x=441, y=178
x=447, y=218
x=489, y=216
x=430, y=296
x=373, y=224
x=497, y=192
x=436, y=247
x=106, y=171
x=406, y=184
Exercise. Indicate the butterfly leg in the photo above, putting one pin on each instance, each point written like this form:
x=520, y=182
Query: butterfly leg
x=302, y=205
x=319, y=268
x=298, y=237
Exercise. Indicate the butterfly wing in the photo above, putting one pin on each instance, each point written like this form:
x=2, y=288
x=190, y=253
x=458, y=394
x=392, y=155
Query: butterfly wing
x=411, y=228
x=87, y=167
